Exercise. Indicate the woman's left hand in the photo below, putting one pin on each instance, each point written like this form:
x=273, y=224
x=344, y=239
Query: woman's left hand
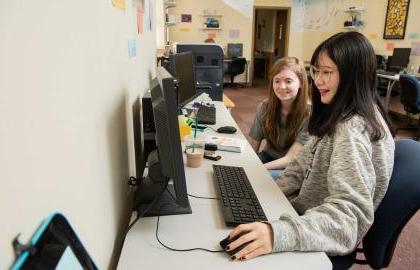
x=260, y=236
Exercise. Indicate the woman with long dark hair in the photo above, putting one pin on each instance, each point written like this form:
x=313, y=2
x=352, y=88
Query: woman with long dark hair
x=341, y=175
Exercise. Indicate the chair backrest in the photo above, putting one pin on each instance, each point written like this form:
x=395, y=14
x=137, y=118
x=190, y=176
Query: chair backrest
x=410, y=93
x=237, y=66
x=401, y=202
x=380, y=61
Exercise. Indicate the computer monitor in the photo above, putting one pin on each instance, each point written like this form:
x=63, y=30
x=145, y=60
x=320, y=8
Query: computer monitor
x=400, y=58
x=138, y=138
x=182, y=68
x=234, y=50
x=164, y=190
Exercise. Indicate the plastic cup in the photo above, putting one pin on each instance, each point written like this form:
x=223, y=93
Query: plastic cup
x=184, y=129
x=194, y=148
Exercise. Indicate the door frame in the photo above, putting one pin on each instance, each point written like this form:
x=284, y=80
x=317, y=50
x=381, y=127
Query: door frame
x=286, y=49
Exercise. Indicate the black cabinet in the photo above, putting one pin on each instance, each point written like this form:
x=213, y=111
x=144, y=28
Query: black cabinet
x=208, y=67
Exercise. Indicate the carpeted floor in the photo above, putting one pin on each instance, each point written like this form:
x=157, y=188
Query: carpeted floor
x=407, y=252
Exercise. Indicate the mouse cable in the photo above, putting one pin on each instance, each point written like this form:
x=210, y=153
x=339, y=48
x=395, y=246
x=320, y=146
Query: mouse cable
x=200, y=197
x=175, y=249
x=207, y=126
x=182, y=250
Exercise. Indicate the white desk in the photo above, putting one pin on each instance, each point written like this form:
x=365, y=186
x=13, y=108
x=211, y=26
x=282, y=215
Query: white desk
x=205, y=226
x=392, y=79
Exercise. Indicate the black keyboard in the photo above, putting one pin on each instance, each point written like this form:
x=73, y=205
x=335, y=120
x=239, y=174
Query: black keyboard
x=238, y=200
x=388, y=73
x=206, y=115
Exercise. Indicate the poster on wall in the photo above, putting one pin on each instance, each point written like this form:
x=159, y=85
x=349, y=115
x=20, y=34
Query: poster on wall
x=396, y=19
x=234, y=33
x=140, y=15
x=186, y=18
x=315, y=15
x=120, y=4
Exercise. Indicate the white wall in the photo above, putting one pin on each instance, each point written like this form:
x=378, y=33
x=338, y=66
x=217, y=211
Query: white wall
x=66, y=90
x=231, y=19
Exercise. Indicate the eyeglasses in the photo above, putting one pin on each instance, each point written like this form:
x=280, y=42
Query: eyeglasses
x=324, y=74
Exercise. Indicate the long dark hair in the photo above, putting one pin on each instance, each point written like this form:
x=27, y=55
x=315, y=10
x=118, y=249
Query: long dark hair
x=356, y=94
x=299, y=110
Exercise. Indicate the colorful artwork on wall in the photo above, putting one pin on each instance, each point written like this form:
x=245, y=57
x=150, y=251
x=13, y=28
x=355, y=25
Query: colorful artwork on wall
x=396, y=19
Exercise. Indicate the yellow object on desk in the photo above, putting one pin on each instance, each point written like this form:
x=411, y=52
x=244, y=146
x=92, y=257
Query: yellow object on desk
x=184, y=128
x=228, y=102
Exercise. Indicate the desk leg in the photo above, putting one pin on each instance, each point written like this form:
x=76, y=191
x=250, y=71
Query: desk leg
x=388, y=93
x=246, y=74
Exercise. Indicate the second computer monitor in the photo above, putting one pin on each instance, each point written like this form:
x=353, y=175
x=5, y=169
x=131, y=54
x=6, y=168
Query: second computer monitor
x=164, y=190
x=234, y=50
x=400, y=58
x=182, y=68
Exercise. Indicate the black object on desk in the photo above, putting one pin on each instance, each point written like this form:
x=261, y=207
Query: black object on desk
x=206, y=115
x=225, y=242
x=214, y=158
x=239, y=202
x=226, y=129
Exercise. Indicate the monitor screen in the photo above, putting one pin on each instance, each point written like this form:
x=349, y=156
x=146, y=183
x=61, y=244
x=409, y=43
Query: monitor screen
x=182, y=68
x=234, y=50
x=400, y=58
x=164, y=190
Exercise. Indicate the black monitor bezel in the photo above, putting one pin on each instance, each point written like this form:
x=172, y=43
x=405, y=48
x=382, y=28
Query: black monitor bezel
x=176, y=61
x=398, y=55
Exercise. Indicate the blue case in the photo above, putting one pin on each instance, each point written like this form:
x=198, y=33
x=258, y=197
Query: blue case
x=54, y=245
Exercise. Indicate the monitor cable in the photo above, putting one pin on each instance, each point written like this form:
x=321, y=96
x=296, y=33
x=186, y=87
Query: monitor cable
x=187, y=249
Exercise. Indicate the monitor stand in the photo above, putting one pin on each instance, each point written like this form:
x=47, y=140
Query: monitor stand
x=155, y=196
x=165, y=206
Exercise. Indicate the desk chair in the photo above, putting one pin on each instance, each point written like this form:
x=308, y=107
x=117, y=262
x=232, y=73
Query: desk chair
x=233, y=68
x=381, y=84
x=410, y=99
x=380, y=62
x=401, y=202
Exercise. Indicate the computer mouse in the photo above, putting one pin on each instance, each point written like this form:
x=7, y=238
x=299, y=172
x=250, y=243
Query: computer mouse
x=226, y=129
x=225, y=242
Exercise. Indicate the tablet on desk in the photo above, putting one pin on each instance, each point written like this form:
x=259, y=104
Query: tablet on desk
x=54, y=245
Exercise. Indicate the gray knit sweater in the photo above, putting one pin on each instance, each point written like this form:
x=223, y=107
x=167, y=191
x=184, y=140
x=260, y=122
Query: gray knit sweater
x=335, y=184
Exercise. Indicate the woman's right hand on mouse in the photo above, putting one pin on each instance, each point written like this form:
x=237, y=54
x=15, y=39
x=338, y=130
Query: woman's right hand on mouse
x=261, y=236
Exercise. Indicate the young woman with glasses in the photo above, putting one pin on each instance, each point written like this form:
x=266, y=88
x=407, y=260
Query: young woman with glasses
x=282, y=118
x=341, y=175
